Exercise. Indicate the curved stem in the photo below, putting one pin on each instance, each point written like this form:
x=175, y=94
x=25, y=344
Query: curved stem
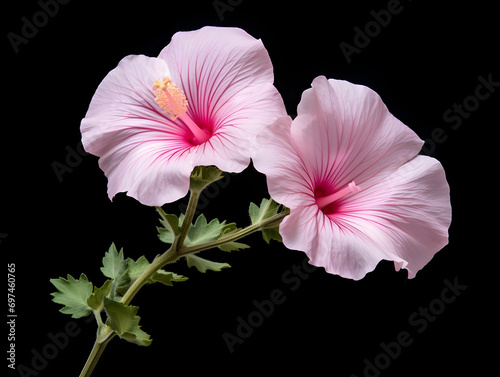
x=99, y=346
x=107, y=333
x=93, y=359
x=267, y=223
x=169, y=256
x=188, y=217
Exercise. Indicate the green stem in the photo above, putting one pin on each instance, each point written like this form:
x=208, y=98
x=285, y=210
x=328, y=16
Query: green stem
x=169, y=256
x=107, y=334
x=188, y=217
x=267, y=223
x=100, y=344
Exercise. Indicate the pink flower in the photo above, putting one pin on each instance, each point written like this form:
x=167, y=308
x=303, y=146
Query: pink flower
x=357, y=191
x=200, y=102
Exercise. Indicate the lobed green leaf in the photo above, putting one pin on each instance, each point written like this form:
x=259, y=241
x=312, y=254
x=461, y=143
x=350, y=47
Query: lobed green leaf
x=267, y=209
x=167, y=277
x=96, y=299
x=73, y=294
x=171, y=226
x=203, y=264
x=115, y=267
x=233, y=246
x=136, y=268
x=202, y=232
x=124, y=321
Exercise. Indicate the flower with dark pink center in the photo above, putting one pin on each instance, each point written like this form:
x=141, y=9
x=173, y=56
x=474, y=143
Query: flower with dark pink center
x=200, y=102
x=357, y=191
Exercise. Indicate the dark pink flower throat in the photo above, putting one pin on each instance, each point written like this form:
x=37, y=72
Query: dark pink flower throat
x=328, y=202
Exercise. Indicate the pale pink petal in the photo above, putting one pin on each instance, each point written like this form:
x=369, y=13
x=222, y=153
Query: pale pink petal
x=145, y=171
x=227, y=77
x=275, y=155
x=404, y=218
x=142, y=151
x=337, y=249
x=344, y=132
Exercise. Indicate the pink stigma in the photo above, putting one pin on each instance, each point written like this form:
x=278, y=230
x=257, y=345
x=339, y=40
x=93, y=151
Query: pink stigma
x=324, y=201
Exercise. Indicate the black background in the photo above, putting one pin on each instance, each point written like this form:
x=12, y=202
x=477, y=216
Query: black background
x=425, y=60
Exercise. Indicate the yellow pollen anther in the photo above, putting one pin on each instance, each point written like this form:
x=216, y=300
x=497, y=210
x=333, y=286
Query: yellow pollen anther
x=170, y=98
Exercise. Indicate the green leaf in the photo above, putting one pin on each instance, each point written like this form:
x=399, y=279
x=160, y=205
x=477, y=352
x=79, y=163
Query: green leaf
x=73, y=294
x=267, y=209
x=115, y=267
x=167, y=277
x=113, y=263
x=124, y=321
x=137, y=336
x=96, y=299
x=199, y=233
x=171, y=226
x=136, y=268
x=203, y=265
x=202, y=176
x=202, y=231
x=233, y=246
x=272, y=234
